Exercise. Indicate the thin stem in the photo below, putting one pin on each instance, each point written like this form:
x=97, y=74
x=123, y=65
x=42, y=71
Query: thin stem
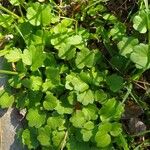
x=148, y=26
x=64, y=140
x=9, y=12
x=8, y=72
x=129, y=89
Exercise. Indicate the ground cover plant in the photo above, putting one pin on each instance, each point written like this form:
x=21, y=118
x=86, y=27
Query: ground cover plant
x=79, y=70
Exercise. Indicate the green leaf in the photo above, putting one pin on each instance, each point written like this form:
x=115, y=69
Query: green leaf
x=39, y=14
x=34, y=83
x=122, y=142
x=29, y=138
x=111, y=110
x=50, y=60
x=140, y=56
x=44, y=136
x=58, y=137
x=96, y=9
x=39, y=38
x=116, y=129
x=96, y=76
x=6, y=100
x=53, y=74
x=66, y=51
x=89, y=125
x=73, y=144
x=85, y=58
x=75, y=40
x=14, y=55
x=35, y=117
x=50, y=101
x=85, y=76
x=26, y=57
x=55, y=122
x=118, y=31
x=3, y=52
x=86, y=134
x=87, y=97
x=110, y=17
x=29, y=57
x=74, y=82
x=100, y=96
x=14, y=81
x=90, y=112
x=64, y=108
x=66, y=22
x=102, y=139
x=126, y=45
x=92, y=77
x=34, y=98
x=105, y=127
x=140, y=22
x=78, y=119
x=26, y=30
x=6, y=20
x=115, y=82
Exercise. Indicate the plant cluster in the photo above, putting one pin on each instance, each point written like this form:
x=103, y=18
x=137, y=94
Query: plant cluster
x=71, y=65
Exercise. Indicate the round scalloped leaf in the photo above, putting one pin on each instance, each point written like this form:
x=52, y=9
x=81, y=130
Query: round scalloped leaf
x=44, y=136
x=74, y=82
x=6, y=100
x=34, y=83
x=39, y=14
x=116, y=129
x=55, y=122
x=89, y=125
x=111, y=110
x=78, y=119
x=140, y=56
x=126, y=45
x=86, y=134
x=29, y=138
x=35, y=118
x=85, y=58
x=115, y=82
x=58, y=137
x=14, y=55
x=50, y=101
x=105, y=127
x=102, y=140
x=87, y=97
x=90, y=112
x=140, y=22
x=100, y=96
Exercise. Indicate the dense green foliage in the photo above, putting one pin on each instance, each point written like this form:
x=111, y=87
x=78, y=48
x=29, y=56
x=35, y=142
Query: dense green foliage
x=70, y=66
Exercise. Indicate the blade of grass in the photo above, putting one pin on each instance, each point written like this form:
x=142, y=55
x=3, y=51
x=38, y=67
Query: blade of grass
x=8, y=72
x=9, y=12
